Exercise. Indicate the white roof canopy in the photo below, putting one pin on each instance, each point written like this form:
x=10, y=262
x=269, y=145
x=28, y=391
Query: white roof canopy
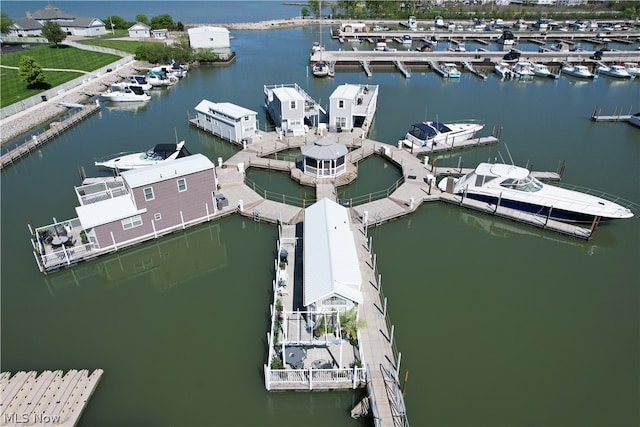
x=331, y=265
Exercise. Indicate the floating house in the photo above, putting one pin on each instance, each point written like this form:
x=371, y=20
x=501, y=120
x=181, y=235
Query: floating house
x=324, y=158
x=206, y=37
x=290, y=107
x=137, y=206
x=226, y=120
x=332, y=276
x=352, y=106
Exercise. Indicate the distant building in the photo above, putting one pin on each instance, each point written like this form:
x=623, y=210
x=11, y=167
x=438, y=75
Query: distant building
x=73, y=25
x=214, y=38
x=139, y=30
x=25, y=28
x=353, y=27
x=352, y=106
x=226, y=120
x=160, y=34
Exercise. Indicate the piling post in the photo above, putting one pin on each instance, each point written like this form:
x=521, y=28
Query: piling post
x=384, y=309
x=393, y=327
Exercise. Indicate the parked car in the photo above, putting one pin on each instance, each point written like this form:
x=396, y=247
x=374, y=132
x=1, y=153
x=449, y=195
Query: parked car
x=512, y=54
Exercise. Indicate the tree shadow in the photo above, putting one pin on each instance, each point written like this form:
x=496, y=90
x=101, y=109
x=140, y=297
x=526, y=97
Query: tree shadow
x=40, y=86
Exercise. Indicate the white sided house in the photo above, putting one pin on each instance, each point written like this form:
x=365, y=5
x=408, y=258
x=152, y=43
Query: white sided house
x=352, y=106
x=226, y=120
x=148, y=202
x=71, y=24
x=214, y=38
x=286, y=107
x=139, y=30
x=25, y=28
x=332, y=277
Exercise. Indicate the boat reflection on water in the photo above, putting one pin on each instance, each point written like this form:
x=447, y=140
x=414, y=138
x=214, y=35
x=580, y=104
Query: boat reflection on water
x=134, y=107
x=499, y=227
x=163, y=263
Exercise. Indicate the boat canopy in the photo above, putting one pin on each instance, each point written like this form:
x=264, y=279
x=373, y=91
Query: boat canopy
x=425, y=131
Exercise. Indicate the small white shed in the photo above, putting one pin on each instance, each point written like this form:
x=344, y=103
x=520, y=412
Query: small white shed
x=139, y=30
x=226, y=120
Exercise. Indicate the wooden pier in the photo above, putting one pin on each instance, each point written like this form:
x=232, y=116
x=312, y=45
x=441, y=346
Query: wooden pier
x=50, y=398
x=42, y=138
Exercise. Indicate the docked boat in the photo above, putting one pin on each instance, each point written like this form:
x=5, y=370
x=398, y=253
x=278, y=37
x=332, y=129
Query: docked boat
x=157, y=154
x=139, y=80
x=316, y=47
x=411, y=23
x=428, y=134
x=381, y=46
x=617, y=71
x=449, y=70
x=406, y=39
x=513, y=187
x=632, y=68
x=523, y=70
x=157, y=78
x=503, y=70
x=541, y=70
x=125, y=92
x=507, y=38
x=580, y=71
x=635, y=120
x=322, y=69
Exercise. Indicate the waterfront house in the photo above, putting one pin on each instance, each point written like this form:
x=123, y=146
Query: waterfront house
x=285, y=106
x=353, y=27
x=332, y=276
x=352, y=106
x=206, y=37
x=137, y=206
x=160, y=34
x=71, y=24
x=324, y=158
x=25, y=28
x=226, y=120
x=139, y=30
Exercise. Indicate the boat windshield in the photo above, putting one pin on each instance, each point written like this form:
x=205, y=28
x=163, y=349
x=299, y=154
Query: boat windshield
x=528, y=184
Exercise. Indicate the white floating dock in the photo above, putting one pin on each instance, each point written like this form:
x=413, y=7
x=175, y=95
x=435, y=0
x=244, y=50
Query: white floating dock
x=51, y=398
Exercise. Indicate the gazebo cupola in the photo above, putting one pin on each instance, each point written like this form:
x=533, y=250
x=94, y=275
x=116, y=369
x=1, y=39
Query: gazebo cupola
x=324, y=158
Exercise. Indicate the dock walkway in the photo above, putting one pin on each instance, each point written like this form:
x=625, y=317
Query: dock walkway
x=50, y=398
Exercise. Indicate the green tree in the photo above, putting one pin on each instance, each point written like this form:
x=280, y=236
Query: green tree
x=30, y=72
x=162, y=21
x=53, y=32
x=314, y=5
x=141, y=17
x=117, y=22
x=350, y=324
x=5, y=23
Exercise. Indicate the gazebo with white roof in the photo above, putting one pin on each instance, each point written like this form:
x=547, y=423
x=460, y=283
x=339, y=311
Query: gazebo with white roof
x=332, y=277
x=324, y=158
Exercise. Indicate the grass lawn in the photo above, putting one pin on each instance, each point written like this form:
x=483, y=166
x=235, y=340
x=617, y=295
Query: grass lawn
x=13, y=90
x=123, y=45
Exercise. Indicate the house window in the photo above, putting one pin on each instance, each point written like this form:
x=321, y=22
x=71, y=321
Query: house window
x=341, y=122
x=292, y=105
x=157, y=216
x=341, y=104
x=182, y=185
x=148, y=194
x=133, y=222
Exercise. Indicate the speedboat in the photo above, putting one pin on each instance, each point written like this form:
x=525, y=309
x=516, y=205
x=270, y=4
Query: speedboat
x=157, y=78
x=429, y=134
x=449, y=71
x=632, y=68
x=580, y=71
x=507, y=38
x=514, y=187
x=158, y=154
x=503, y=70
x=125, y=92
x=139, y=80
x=617, y=71
x=541, y=70
x=406, y=39
x=523, y=70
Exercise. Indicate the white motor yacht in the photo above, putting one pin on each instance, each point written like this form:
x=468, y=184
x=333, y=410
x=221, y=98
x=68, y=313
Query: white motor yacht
x=503, y=70
x=125, y=92
x=617, y=71
x=430, y=134
x=541, y=70
x=523, y=70
x=580, y=71
x=449, y=71
x=632, y=68
x=513, y=187
x=156, y=154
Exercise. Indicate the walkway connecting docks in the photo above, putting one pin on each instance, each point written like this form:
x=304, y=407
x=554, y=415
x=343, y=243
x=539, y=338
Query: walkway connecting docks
x=50, y=398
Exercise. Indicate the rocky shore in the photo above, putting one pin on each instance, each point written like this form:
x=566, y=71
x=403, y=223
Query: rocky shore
x=33, y=117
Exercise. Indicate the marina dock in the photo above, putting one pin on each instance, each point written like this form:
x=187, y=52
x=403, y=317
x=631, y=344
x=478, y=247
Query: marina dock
x=48, y=398
x=54, y=130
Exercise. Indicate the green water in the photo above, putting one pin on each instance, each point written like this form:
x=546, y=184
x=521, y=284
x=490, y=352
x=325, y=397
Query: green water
x=498, y=324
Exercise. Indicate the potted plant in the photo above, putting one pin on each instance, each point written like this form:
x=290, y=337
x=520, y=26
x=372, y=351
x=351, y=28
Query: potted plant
x=350, y=325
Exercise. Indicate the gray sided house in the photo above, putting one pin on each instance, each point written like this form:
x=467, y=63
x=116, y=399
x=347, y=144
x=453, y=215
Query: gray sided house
x=286, y=107
x=151, y=201
x=226, y=120
x=25, y=28
x=71, y=24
